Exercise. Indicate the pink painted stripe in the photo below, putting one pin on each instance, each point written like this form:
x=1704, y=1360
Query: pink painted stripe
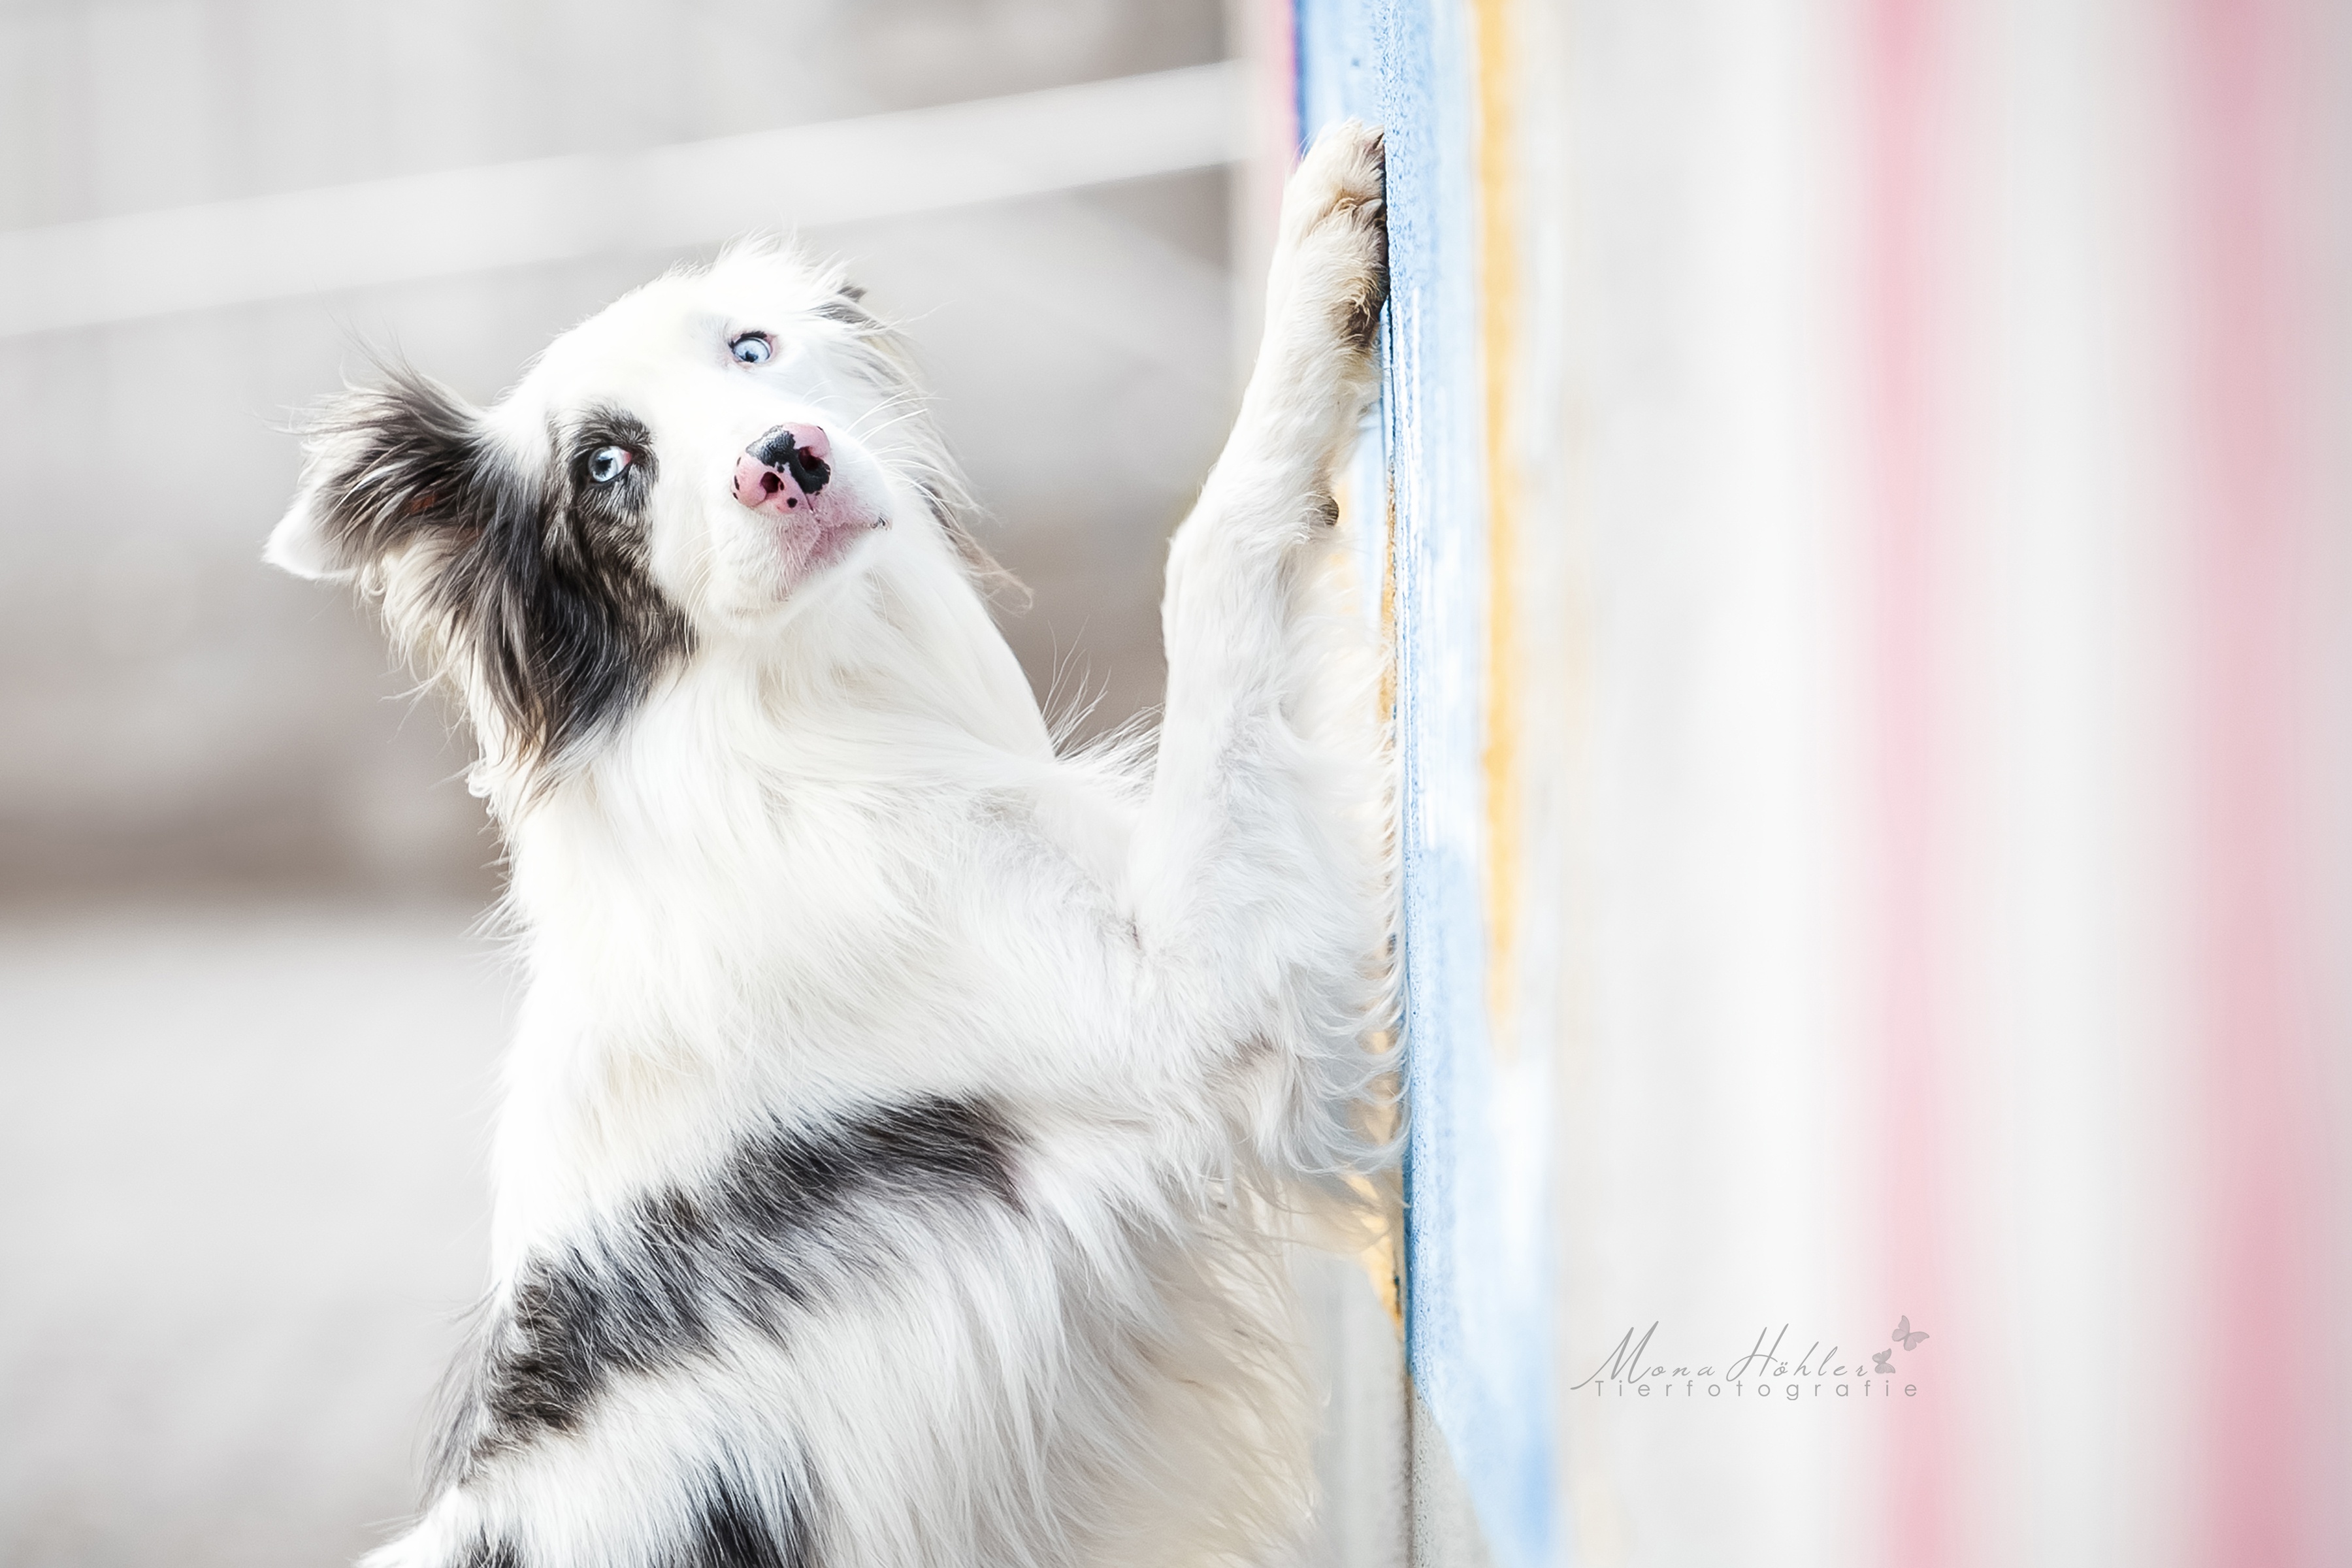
x=1280, y=20
x=1906, y=79
x=2267, y=1222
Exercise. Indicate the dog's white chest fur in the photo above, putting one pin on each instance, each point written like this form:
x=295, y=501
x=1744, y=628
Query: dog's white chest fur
x=906, y=1123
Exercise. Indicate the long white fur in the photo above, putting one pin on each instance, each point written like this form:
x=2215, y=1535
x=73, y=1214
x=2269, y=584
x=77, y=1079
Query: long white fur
x=834, y=858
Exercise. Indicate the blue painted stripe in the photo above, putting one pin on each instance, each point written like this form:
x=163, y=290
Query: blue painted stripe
x=1477, y=1243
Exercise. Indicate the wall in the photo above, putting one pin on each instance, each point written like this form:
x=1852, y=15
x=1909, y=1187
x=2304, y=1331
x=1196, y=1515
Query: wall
x=1871, y=582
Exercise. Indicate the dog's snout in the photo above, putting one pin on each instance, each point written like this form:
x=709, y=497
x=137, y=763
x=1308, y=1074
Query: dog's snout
x=784, y=469
x=788, y=443
x=790, y=463
x=786, y=476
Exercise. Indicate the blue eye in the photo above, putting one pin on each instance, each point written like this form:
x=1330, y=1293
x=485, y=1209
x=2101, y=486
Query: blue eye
x=752, y=348
x=606, y=463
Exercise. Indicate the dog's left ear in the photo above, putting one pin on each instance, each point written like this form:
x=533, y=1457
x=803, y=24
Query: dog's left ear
x=390, y=467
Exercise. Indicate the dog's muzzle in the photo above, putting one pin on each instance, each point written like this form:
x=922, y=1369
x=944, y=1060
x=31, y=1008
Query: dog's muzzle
x=785, y=470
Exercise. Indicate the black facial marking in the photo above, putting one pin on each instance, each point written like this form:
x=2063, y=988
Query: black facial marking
x=541, y=578
x=733, y=1532
x=791, y=1220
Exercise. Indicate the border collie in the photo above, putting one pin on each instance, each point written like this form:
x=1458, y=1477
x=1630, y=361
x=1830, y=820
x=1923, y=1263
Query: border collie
x=905, y=1124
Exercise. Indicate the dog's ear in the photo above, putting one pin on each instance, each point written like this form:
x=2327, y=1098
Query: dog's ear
x=299, y=543
x=389, y=467
x=845, y=304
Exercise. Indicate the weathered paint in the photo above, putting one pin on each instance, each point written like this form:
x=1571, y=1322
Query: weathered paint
x=1910, y=517
x=1477, y=1243
x=2250, y=521
x=1502, y=333
x=1869, y=606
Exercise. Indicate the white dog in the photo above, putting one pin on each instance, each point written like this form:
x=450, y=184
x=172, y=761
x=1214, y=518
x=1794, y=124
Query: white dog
x=904, y=1122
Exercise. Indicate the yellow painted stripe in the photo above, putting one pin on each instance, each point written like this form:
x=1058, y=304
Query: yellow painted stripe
x=1500, y=323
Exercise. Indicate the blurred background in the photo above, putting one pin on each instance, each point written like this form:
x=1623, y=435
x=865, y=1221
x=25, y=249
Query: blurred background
x=1870, y=501
x=178, y=718
x=245, y=1040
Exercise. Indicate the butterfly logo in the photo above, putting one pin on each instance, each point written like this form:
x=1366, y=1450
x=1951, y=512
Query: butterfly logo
x=1885, y=1359
x=1905, y=1337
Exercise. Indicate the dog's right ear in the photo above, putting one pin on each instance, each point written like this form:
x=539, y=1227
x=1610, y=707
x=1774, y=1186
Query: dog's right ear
x=388, y=466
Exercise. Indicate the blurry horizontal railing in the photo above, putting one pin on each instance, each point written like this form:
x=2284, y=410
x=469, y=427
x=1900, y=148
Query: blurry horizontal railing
x=554, y=209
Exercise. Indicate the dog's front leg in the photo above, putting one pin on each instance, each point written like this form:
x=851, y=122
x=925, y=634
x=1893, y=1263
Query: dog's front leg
x=1256, y=894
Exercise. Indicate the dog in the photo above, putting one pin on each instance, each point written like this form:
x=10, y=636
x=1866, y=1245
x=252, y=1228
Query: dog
x=906, y=1123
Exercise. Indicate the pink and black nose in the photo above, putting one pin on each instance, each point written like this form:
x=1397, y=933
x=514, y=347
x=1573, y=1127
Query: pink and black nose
x=782, y=472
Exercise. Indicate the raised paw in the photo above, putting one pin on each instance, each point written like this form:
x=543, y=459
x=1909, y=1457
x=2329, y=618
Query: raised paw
x=1331, y=262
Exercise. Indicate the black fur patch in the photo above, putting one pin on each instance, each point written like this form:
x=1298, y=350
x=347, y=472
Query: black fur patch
x=489, y=1554
x=732, y=1531
x=543, y=575
x=788, y=1222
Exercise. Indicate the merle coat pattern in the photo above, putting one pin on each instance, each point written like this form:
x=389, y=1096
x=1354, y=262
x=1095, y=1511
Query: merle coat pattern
x=905, y=1120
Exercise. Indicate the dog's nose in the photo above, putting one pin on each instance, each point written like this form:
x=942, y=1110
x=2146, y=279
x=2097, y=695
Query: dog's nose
x=783, y=468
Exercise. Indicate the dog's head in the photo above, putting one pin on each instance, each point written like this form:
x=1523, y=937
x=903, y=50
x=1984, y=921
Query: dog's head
x=703, y=464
